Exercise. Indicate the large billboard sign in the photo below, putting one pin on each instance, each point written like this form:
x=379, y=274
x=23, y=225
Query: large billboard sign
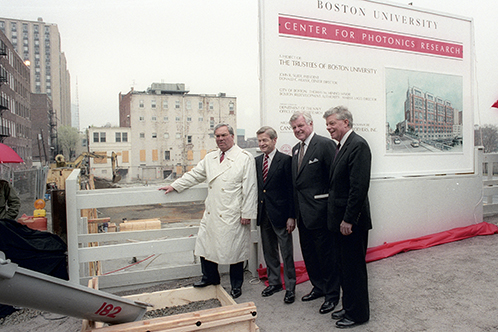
x=405, y=74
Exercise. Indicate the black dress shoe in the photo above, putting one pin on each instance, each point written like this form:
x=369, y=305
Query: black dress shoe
x=338, y=314
x=236, y=292
x=203, y=283
x=290, y=297
x=345, y=323
x=327, y=307
x=270, y=290
x=311, y=296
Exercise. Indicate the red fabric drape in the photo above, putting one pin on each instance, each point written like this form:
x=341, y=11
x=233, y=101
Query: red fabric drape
x=390, y=249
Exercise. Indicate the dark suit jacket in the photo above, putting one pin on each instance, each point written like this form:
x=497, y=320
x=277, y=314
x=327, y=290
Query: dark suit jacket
x=350, y=180
x=313, y=179
x=276, y=193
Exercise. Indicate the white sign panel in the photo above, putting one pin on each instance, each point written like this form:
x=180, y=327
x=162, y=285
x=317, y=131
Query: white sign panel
x=405, y=74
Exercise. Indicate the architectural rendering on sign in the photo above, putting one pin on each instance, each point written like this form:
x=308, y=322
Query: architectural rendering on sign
x=424, y=112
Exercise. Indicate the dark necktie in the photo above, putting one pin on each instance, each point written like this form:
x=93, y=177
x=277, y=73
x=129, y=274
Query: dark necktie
x=222, y=156
x=265, y=168
x=337, y=150
x=301, y=155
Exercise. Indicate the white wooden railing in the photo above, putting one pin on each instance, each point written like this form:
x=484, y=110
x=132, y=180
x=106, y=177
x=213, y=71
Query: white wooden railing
x=176, y=240
x=114, y=246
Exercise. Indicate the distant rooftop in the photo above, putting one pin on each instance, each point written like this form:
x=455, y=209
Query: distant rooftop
x=167, y=88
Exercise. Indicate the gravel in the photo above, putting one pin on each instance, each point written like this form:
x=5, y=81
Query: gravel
x=25, y=315
x=180, y=309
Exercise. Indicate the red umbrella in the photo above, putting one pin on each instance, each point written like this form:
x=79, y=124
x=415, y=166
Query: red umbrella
x=7, y=155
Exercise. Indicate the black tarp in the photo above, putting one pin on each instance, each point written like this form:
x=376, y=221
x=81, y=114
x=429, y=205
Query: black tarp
x=34, y=250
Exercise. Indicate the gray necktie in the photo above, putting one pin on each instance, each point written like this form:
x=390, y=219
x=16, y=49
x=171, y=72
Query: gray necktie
x=301, y=155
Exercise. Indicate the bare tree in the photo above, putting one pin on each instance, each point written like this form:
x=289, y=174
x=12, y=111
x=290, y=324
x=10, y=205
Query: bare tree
x=68, y=138
x=487, y=136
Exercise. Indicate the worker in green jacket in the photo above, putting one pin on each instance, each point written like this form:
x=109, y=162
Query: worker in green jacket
x=9, y=201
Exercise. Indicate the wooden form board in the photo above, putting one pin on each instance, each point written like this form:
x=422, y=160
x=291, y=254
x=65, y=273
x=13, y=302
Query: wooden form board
x=140, y=225
x=231, y=317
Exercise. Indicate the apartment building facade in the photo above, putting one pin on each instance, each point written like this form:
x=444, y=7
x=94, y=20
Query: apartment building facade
x=430, y=117
x=15, y=99
x=39, y=45
x=170, y=129
x=104, y=141
x=42, y=129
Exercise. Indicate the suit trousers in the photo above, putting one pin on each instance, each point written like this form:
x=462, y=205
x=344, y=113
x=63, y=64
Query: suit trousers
x=354, y=278
x=319, y=248
x=272, y=238
x=211, y=274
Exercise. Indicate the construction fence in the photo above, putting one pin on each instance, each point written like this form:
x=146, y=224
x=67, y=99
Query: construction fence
x=30, y=185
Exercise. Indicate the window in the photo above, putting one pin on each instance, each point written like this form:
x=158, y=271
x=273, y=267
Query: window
x=189, y=139
x=178, y=135
x=154, y=135
x=189, y=105
x=142, y=135
x=166, y=135
x=231, y=107
x=189, y=118
x=95, y=137
x=211, y=105
x=177, y=119
x=141, y=118
x=166, y=155
x=154, y=118
x=153, y=104
x=102, y=137
x=211, y=123
x=121, y=137
x=141, y=103
x=165, y=118
x=201, y=119
x=200, y=105
x=165, y=104
x=177, y=104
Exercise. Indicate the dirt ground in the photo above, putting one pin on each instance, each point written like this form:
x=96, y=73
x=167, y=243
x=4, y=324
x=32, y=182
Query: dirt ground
x=167, y=213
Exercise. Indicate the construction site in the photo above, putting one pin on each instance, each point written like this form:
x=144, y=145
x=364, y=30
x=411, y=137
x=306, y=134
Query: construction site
x=121, y=257
x=130, y=260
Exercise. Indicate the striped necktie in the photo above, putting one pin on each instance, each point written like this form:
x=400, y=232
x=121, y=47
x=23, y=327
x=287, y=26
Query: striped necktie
x=265, y=168
x=222, y=156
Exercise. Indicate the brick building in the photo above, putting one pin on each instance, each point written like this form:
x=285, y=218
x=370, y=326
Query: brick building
x=15, y=98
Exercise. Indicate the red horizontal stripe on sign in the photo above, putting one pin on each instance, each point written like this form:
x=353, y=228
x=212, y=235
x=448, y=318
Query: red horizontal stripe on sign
x=346, y=34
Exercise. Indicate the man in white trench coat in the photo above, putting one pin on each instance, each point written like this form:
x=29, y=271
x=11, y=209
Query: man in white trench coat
x=231, y=203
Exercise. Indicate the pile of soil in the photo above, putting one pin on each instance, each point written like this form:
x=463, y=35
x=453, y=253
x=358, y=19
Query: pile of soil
x=181, y=309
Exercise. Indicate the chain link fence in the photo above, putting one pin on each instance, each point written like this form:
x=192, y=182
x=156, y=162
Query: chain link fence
x=30, y=185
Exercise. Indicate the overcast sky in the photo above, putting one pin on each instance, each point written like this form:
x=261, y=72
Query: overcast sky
x=210, y=45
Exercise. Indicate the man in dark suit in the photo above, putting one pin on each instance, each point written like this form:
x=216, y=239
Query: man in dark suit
x=276, y=213
x=349, y=214
x=311, y=161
